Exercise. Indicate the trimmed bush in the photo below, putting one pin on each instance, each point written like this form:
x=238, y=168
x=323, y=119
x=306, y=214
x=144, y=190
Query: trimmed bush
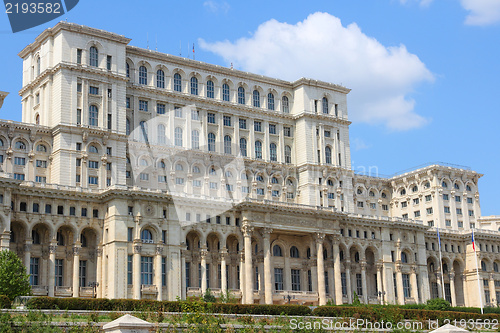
x=4, y=302
x=438, y=304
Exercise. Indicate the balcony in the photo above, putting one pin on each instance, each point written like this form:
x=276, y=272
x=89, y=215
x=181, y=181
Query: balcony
x=39, y=290
x=63, y=291
x=87, y=292
x=148, y=289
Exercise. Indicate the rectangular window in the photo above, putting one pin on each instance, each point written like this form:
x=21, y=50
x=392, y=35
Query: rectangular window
x=164, y=272
x=143, y=105
x=460, y=224
x=360, y=204
x=196, y=183
x=79, y=87
x=287, y=131
x=385, y=207
x=278, y=278
x=257, y=126
x=84, y=212
x=447, y=210
x=146, y=270
x=108, y=62
x=256, y=278
x=78, y=116
x=72, y=211
x=446, y=197
x=34, y=271
x=93, y=90
x=130, y=234
x=404, y=204
x=144, y=176
x=406, y=285
x=213, y=185
x=243, y=123
x=469, y=200
x=129, y=269
x=458, y=198
x=19, y=176
x=83, y=273
x=373, y=205
x=471, y=212
x=272, y=129
x=178, y=112
x=459, y=211
x=428, y=198
x=188, y=275
x=78, y=56
x=260, y=191
x=59, y=272
x=179, y=181
x=416, y=201
x=78, y=146
x=227, y=120
x=127, y=103
x=295, y=273
x=359, y=285
x=110, y=122
x=328, y=134
x=160, y=108
x=93, y=165
x=211, y=118
x=93, y=180
x=19, y=161
x=40, y=179
x=36, y=207
x=343, y=281
x=195, y=115
x=429, y=210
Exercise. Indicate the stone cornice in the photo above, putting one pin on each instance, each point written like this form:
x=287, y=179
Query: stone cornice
x=321, y=117
x=81, y=29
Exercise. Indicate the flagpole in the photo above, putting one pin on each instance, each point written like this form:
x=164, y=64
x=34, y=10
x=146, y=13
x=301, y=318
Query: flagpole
x=441, y=264
x=477, y=273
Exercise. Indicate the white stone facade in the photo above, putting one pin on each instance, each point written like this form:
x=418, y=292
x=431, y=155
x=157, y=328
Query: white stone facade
x=137, y=174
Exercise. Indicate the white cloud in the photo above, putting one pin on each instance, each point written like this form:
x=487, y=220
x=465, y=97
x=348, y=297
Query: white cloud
x=482, y=12
x=359, y=144
x=320, y=47
x=216, y=7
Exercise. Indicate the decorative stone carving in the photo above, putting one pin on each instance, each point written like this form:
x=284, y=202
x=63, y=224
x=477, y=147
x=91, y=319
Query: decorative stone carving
x=137, y=248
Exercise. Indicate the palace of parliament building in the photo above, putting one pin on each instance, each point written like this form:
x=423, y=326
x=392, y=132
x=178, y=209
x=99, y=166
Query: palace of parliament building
x=138, y=174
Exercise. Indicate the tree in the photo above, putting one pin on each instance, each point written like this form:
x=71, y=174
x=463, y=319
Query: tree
x=14, y=281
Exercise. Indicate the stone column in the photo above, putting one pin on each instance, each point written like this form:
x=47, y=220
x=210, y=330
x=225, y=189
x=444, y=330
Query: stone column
x=399, y=284
x=76, y=269
x=27, y=255
x=380, y=286
x=136, y=280
x=183, y=275
x=52, y=267
x=203, y=263
x=223, y=278
x=242, y=276
x=247, y=234
x=331, y=282
x=321, y=268
x=440, y=288
x=492, y=289
x=414, y=285
x=158, y=271
x=98, y=275
x=337, y=273
x=348, y=281
x=363, y=282
x=268, y=287
x=287, y=273
x=452, y=289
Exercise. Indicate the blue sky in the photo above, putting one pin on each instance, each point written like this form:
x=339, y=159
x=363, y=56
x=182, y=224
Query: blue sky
x=425, y=74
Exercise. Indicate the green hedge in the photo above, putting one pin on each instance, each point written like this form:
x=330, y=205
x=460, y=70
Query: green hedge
x=5, y=302
x=101, y=304
x=394, y=314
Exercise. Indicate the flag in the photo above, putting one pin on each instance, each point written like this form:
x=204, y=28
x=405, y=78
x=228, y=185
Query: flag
x=439, y=237
x=473, y=245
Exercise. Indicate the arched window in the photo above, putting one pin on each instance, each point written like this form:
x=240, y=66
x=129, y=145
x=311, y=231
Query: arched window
x=41, y=148
x=384, y=195
x=328, y=155
x=277, y=252
x=241, y=95
x=427, y=185
x=294, y=252
x=147, y=236
x=285, y=106
x=258, y=149
x=356, y=257
x=325, y=105
x=443, y=184
x=144, y=131
x=93, y=115
x=211, y=142
x=128, y=69
x=225, y=92
x=273, y=155
x=243, y=147
x=210, y=89
x=35, y=237
x=93, y=56
x=270, y=101
x=256, y=98
x=160, y=78
x=196, y=169
x=274, y=180
x=178, y=136
x=194, y=86
x=325, y=254
x=195, y=139
x=93, y=149
x=259, y=178
x=162, y=165
x=83, y=240
x=495, y=267
x=37, y=119
x=143, y=162
x=60, y=239
x=179, y=167
x=227, y=144
x=127, y=126
x=402, y=192
x=177, y=82
x=414, y=188
x=143, y=75
x=161, y=134
x=288, y=154
x=483, y=266
x=1, y=143
x=308, y=253
x=229, y=174
x=457, y=187
x=212, y=171
x=404, y=258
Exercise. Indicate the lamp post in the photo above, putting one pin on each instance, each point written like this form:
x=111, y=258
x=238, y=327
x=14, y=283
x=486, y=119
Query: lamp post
x=381, y=295
x=288, y=297
x=94, y=285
